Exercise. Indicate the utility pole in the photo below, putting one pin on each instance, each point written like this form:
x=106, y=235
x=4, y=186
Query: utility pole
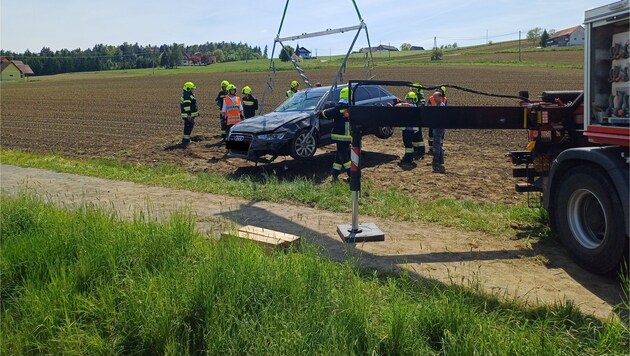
x=389, y=50
x=487, y=36
x=519, y=45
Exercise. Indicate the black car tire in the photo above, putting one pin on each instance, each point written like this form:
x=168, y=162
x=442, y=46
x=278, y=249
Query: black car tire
x=384, y=132
x=304, y=144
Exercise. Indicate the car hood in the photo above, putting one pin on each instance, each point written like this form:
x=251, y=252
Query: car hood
x=268, y=122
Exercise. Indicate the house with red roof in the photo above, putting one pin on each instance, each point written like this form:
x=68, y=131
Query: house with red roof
x=572, y=36
x=14, y=70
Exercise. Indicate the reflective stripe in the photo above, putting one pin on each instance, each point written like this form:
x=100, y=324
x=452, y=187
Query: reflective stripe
x=338, y=137
x=184, y=115
x=186, y=108
x=337, y=166
x=418, y=144
x=187, y=136
x=186, y=101
x=347, y=165
x=408, y=149
x=247, y=102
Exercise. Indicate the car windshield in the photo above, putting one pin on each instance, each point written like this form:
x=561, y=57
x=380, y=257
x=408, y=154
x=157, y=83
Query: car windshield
x=305, y=100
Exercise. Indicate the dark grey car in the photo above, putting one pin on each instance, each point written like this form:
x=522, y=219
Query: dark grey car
x=294, y=129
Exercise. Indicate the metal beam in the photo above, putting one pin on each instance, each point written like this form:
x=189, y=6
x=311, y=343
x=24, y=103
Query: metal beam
x=320, y=33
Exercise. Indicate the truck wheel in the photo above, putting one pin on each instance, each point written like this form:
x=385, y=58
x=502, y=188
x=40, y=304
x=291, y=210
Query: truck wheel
x=304, y=145
x=384, y=132
x=588, y=218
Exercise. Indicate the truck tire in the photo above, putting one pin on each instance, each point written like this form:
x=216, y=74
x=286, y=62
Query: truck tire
x=588, y=217
x=304, y=145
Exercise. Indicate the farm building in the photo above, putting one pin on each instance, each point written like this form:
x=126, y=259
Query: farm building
x=302, y=52
x=573, y=36
x=14, y=70
x=416, y=48
x=380, y=48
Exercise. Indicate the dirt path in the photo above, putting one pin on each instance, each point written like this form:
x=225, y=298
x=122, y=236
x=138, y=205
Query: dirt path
x=530, y=271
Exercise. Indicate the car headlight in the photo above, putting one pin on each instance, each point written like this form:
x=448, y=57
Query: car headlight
x=272, y=136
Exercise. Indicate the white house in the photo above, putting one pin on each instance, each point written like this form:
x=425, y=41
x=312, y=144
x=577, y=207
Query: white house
x=573, y=36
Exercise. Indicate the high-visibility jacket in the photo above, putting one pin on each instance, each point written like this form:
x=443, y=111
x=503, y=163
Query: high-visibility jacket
x=232, y=109
x=341, y=125
x=433, y=102
x=290, y=93
x=250, y=105
x=188, y=105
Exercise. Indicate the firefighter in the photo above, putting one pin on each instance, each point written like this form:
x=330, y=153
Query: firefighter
x=294, y=88
x=431, y=102
x=232, y=109
x=340, y=134
x=408, y=132
x=418, y=140
x=438, y=99
x=250, y=103
x=219, y=100
x=189, y=111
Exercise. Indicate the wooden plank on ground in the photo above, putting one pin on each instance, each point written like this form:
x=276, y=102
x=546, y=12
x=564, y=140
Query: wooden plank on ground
x=268, y=237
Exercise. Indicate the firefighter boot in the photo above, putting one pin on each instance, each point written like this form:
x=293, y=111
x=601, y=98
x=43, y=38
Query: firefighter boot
x=335, y=176
x=407, y=160
x=418, y=153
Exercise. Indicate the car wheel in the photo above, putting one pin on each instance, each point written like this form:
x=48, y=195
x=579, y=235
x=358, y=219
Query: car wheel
x=384, y=132
x=304, y=144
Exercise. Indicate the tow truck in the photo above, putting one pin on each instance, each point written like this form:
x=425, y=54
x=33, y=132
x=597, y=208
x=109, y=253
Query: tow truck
x=577, y=160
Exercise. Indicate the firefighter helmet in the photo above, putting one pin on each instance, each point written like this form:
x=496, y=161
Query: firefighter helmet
x=189, y=85
x=247, y=90
x=413, y=96
x=224, y=83
x=231, y=87
x=294, y=84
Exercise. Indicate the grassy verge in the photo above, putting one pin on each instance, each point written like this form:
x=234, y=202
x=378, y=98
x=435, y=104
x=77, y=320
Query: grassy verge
x=84, y=282
x=473, y=216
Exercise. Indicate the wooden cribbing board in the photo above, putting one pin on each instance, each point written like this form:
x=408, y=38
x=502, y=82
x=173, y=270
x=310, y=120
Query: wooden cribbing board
x=268, y=237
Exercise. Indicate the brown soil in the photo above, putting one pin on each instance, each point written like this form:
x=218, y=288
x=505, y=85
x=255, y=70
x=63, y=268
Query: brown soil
x=134, y=119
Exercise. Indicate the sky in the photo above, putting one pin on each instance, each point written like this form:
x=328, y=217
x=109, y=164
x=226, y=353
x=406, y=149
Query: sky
x=72, y=24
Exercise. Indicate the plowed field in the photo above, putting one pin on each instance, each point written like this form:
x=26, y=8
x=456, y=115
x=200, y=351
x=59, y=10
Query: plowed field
x=134, y=119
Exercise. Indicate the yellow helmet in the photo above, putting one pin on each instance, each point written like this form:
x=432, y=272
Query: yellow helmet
x=231, y=87
x=416, y=88
x=189, y=85
x=247, y=90
x=224, y=83
x=343, y=94
x=413, y=96
x=294, y=84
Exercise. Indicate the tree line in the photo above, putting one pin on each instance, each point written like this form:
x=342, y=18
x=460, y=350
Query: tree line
x=132, y=56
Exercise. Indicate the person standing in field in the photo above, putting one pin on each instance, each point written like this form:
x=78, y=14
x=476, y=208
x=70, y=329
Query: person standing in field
x=442, y=89
x=438, y=99
x=232, y=109
x=408, y=132
x=219, y=100
x=340, y=134
x=250, y=103
x=294, y=88
x=418, y=140
x=189, y=111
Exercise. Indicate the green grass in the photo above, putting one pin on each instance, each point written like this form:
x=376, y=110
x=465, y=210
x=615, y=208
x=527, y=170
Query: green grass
x=496, y=219
x=85, y=282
